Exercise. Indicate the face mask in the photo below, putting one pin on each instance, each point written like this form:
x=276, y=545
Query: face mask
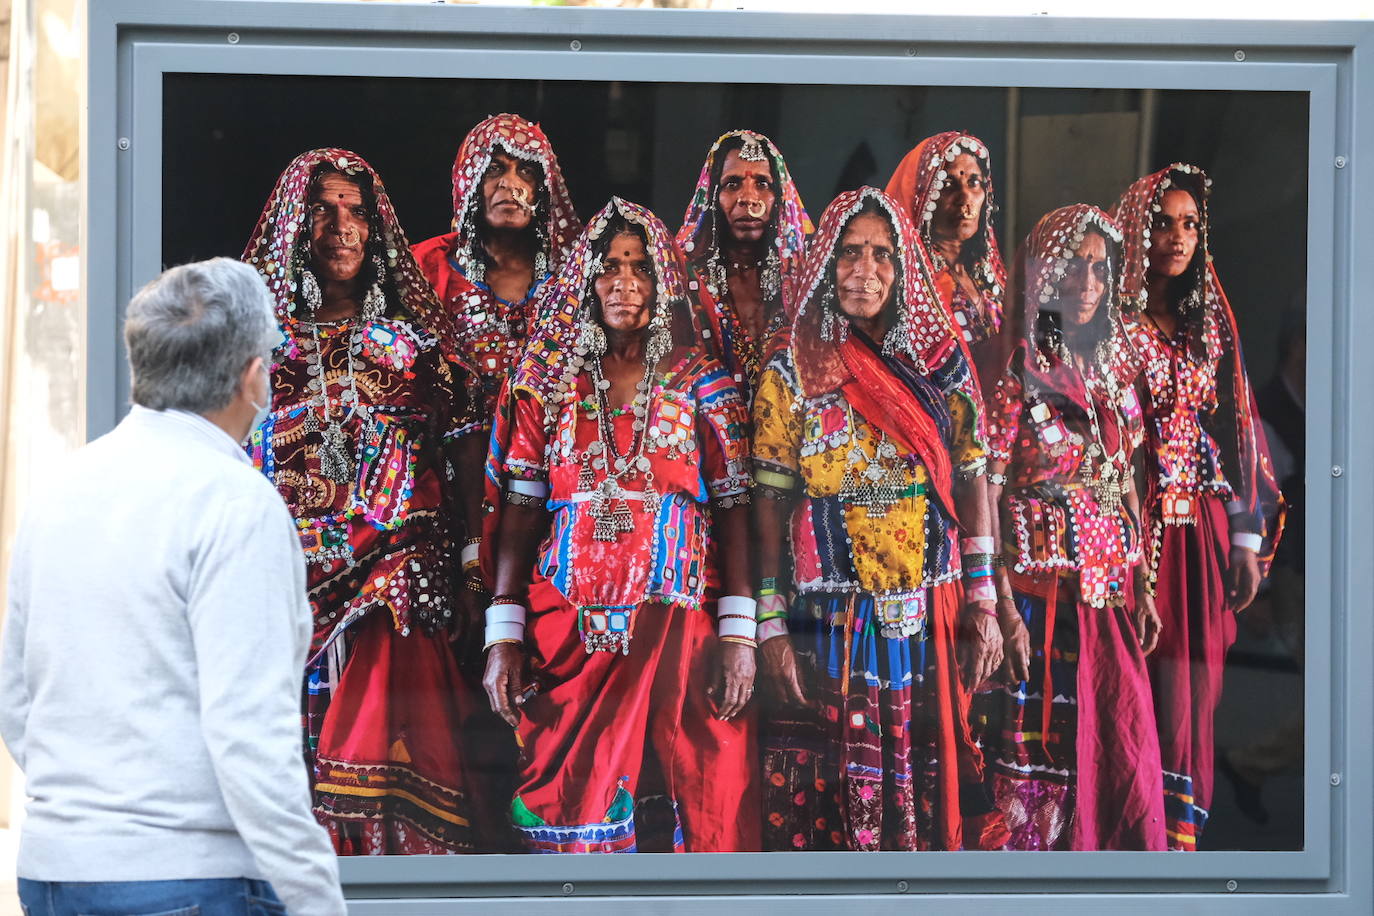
x=262, y=409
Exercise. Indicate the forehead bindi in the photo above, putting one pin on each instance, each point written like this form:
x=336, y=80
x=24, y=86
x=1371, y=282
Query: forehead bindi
x=965, y=165
x=1179, y=204
x=627, y=247
x=735, y=167
x=337, y=189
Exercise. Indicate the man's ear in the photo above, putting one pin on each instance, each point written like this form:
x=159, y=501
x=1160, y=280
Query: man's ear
x=249, y=376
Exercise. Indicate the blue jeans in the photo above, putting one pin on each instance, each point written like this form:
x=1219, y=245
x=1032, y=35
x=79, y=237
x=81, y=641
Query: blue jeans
x=190, y=897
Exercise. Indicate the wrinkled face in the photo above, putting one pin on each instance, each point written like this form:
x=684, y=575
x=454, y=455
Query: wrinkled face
x=625, y=285
x=1086, y=277
x=746, y=197
x=1175, y=234
x=865, y=266
x=338, y=228
x=508, y=191
x=959, y=210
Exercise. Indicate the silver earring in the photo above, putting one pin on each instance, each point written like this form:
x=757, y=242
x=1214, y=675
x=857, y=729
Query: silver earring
x=592, y=339
x=310, y=291
x=660, y=340
x=541, y=248
x=770, y=278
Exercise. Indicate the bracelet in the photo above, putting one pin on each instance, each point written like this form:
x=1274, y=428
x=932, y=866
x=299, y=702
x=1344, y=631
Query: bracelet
x=982, y=544
x=983, y=591
x=768, y=585
x=528, y=487
x=773, y=626
x=996, y=479
x=741, y=640
x=990, y=613
x=510, y=599
x=470, y=553
x=771, y=607
x=974, y=560
x=1247, y=540
x=520, y=499
x=475, y=585
x=467, y=542
x=735, y=617
x=503, y=642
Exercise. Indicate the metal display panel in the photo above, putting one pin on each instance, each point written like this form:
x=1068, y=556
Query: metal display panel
x=133, y=44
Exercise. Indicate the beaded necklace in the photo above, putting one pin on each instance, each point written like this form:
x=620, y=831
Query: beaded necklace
x=608, y=504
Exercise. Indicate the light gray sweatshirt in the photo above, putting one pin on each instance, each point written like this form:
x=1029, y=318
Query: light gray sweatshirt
x=150, y=686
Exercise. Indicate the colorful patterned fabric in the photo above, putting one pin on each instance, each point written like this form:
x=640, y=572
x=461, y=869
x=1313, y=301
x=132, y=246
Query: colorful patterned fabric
x=1204, y=428
x=379, y=548
x=280, y=246
x=1072, y=752
x=878, y=585
x=1209, y=457
x=606, y=735
x=699, y=238
x=491, y=331
x=916, y=186
x=922, y=337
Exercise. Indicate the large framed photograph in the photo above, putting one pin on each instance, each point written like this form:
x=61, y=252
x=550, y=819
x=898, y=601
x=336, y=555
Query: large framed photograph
x=870, y=451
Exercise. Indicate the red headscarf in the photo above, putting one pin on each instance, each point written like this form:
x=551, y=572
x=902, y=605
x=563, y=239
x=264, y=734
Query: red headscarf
x=1212, y=338
x=521, y=139
x=916, y=186
x=923, y=333
x=280, y=245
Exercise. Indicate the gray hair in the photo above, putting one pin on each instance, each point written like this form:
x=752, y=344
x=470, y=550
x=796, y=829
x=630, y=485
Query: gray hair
x=191, y=332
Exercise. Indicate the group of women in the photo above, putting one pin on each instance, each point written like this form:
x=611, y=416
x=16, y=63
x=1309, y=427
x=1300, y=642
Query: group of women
x=977, y=541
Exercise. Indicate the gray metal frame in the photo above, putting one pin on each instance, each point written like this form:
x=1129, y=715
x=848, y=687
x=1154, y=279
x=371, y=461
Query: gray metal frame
x=132, y=43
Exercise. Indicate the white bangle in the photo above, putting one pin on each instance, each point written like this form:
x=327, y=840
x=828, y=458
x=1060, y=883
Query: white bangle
x=506, y=613
x=1235, y=507
x=499, y=632
x=536, y=488
x=1247, y=540
x=735, y=616
x=774, y=626
x=469, y=554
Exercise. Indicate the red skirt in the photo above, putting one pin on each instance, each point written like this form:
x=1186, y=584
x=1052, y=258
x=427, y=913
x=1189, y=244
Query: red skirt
x=1186, y=669
x=387, y=777
x=605, y=729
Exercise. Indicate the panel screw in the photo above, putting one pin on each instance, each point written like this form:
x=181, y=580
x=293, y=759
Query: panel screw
x=123, y=142
x=1340, y=162
x=575, y=45
x=568, y=888
x=903, y=887
x=910, y=52
x=1232, y=885
x=1240, y=55
x=233, y=38
x=1335, y=779
x=1337, y=470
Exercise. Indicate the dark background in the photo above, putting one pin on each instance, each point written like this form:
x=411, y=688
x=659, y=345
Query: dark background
x=227, y=138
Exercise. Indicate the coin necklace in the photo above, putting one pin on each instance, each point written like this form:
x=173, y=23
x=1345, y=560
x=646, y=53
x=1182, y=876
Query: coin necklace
x=608, y=503
x=1107, y=482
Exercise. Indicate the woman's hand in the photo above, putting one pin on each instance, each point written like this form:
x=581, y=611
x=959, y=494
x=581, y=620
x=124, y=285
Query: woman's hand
x=733, y=684
x=1147, y=622
x=781, y=671
x=1015, y=640
x=981, y=647
x=504, y=680
x=1242, y=578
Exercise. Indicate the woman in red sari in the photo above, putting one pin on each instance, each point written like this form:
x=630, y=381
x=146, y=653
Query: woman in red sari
x=866, y=446
x=365, y=395
x=1212, y=510
x=620, y=444
x=1073, y=757
x=744, y=235
x=946, y=185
